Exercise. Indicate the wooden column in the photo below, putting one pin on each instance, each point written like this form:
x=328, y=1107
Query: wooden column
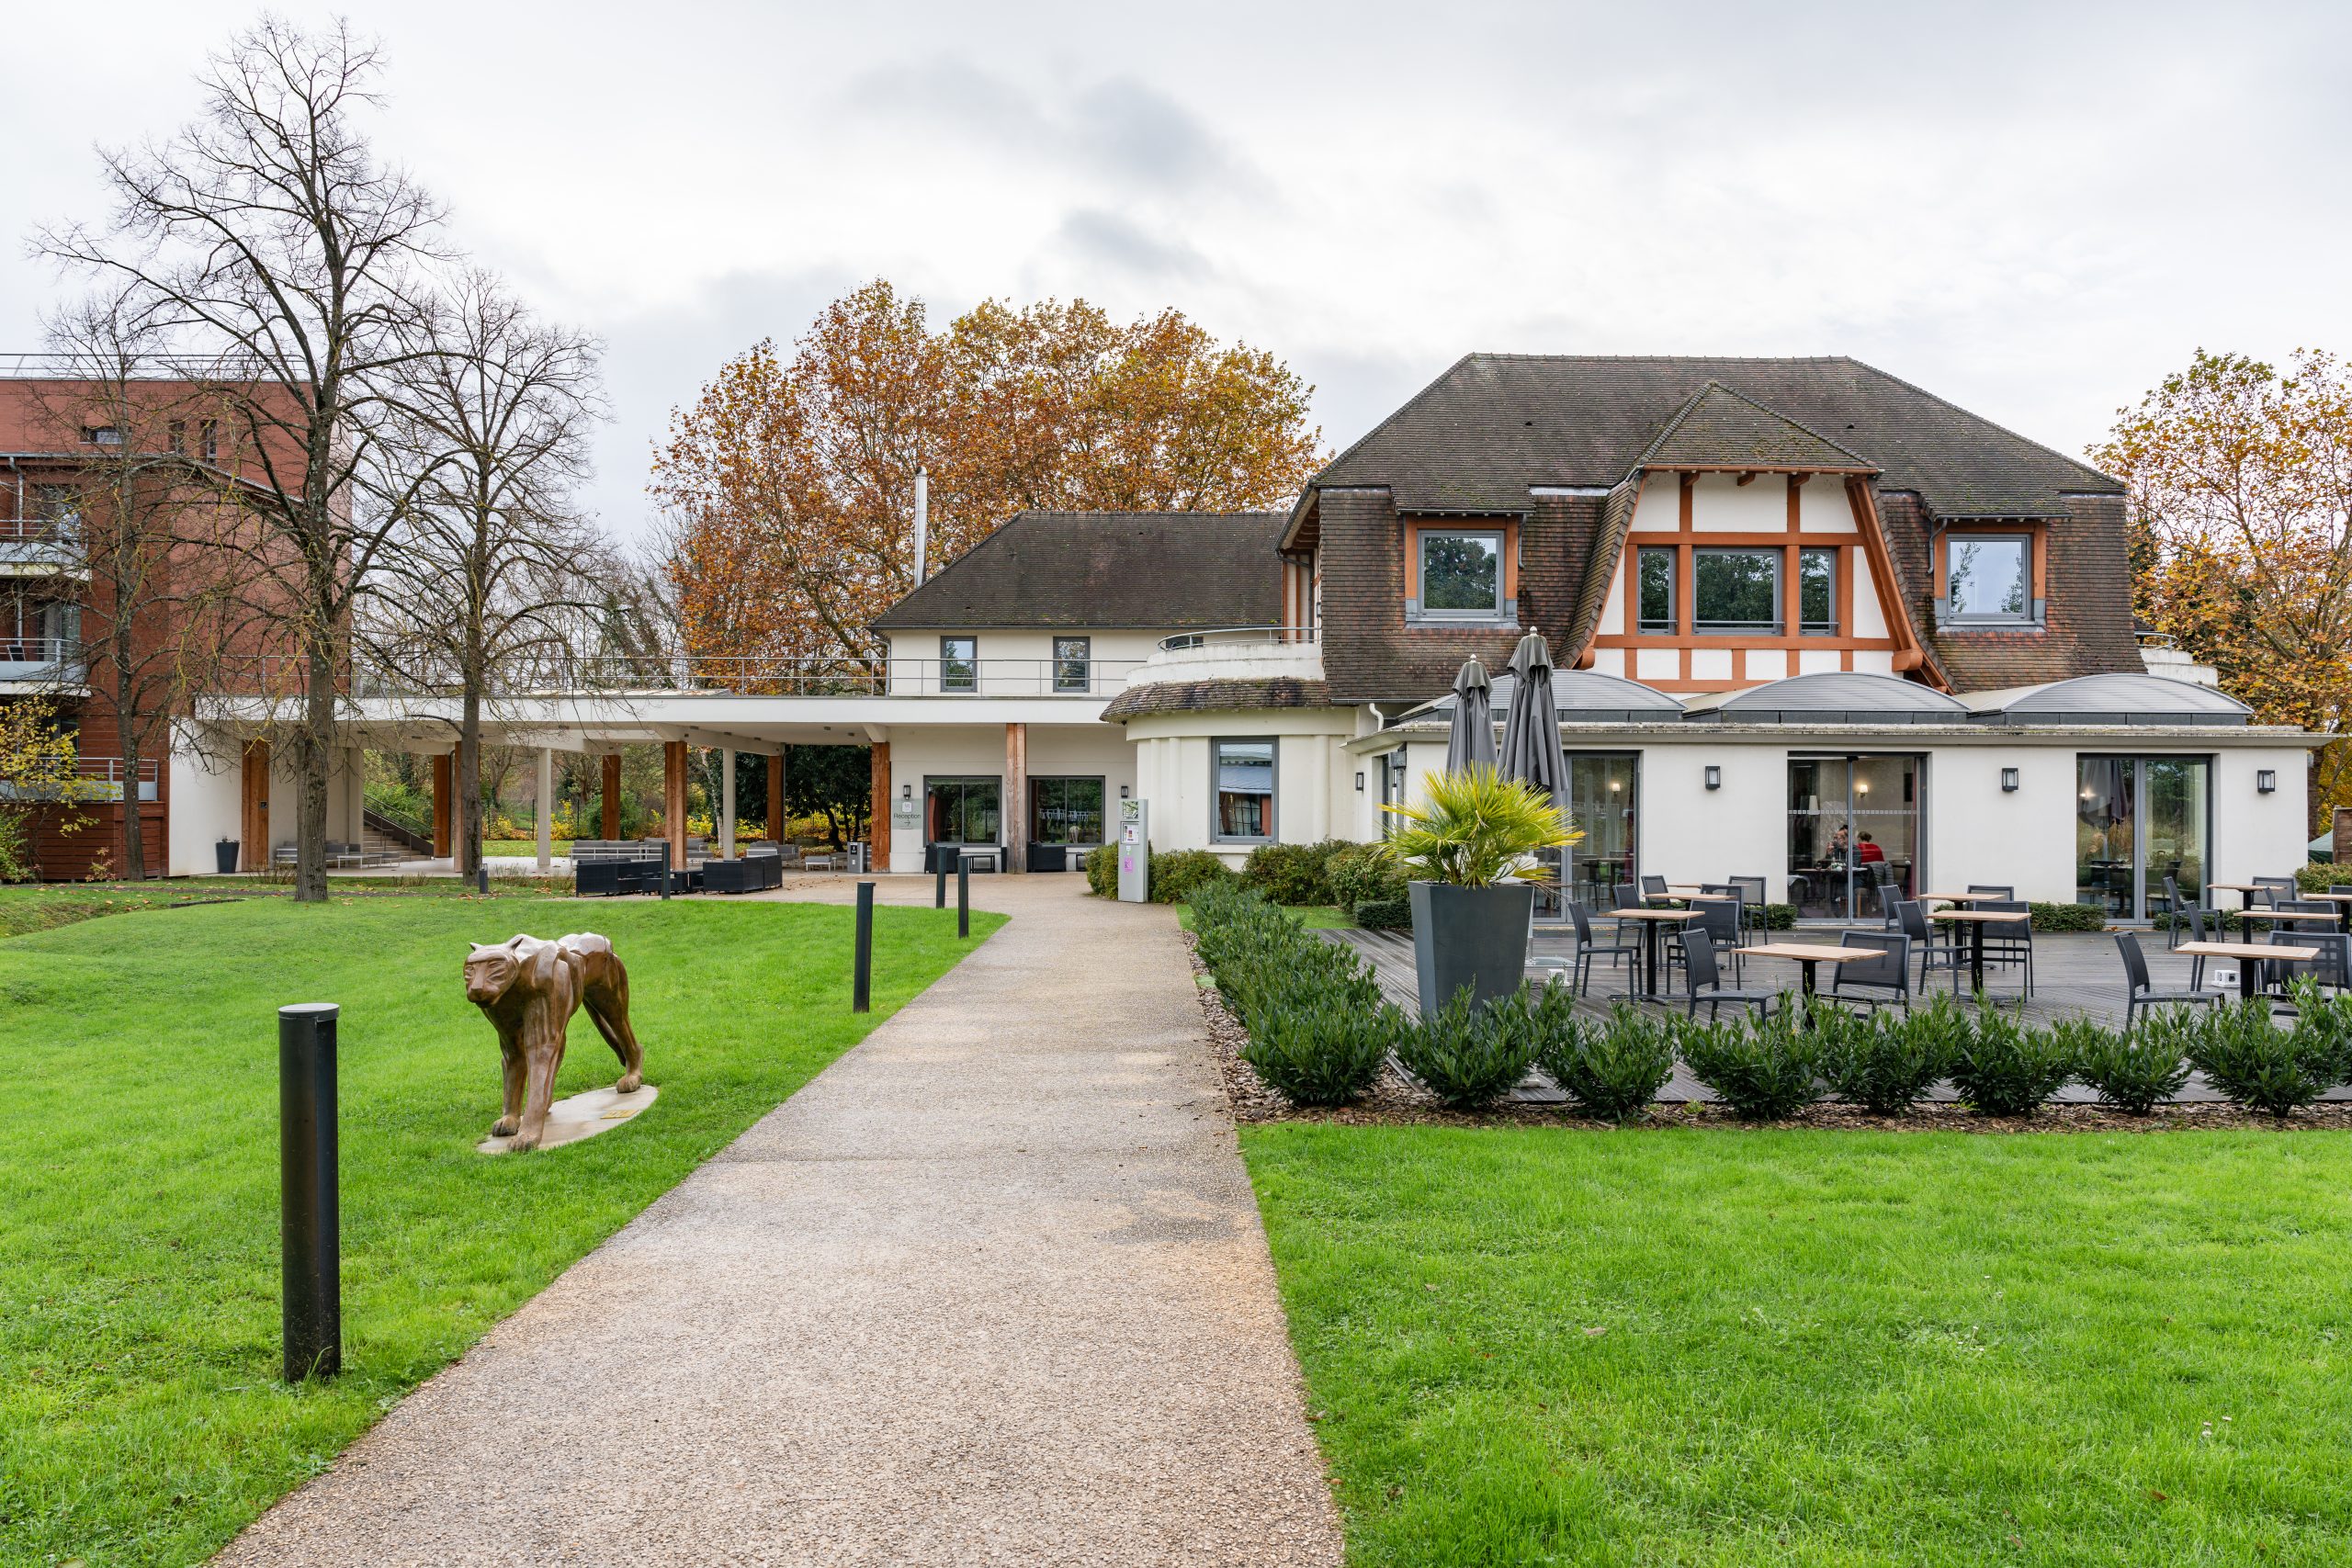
x=673, y=800
x=776, y=794
x=612, y=795
x=441, y=804
x=252, y=819
x=879, y=814
x=1016, y=797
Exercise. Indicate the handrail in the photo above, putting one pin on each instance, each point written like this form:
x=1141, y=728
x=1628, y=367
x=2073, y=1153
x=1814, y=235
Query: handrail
x=733, y=674
x=1179, y=641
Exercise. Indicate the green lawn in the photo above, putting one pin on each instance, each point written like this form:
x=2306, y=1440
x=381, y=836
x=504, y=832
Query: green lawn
x=43, y=905
x=141, y=1418
x=1813, y=1348
x=527, y=847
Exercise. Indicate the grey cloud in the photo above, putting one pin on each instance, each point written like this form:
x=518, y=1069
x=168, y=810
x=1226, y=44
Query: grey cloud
x=1110, y=238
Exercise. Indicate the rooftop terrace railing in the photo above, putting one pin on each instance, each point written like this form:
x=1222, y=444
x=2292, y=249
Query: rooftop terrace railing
x=1096, y=679
x=1238, y=635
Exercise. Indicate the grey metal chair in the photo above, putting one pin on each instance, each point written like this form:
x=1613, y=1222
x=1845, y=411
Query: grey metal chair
x=1752, y=899
x=1935, y=952
x=2316, y=917
x=1705, y=984
x=1884, y=889
x=2010, y=941
x=2331, y=968
x=1627, y=954
x=1875, y=981
x=2175, y=906
x=1653, y=887
x=1994, y=889
x=1717, y=928
x=2141, y=991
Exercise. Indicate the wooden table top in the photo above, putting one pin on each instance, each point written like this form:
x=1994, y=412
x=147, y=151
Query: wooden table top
x=1812, y=952
x=2328, y=897
x=1653, y=914
x=2246, y=886
x=1982, y=917
x=1960, y=898
x=2247, y=949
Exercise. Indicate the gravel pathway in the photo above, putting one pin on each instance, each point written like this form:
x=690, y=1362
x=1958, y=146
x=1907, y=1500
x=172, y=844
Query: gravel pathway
x=991, y=1288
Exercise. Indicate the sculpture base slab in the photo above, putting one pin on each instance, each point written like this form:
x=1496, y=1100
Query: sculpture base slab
x=583, y=1116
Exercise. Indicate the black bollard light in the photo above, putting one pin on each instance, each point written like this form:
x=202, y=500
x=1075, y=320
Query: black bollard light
x=309, y=1217
x=482, y=874
x=939, y=884
x=963, y=896
x=861, y=987
x=666, y=851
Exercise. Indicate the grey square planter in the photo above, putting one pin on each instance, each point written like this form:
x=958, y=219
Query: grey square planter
x=1469, y=936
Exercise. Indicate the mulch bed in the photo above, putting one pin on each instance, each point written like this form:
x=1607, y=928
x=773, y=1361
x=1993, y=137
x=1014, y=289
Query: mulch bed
x=1397, y=1100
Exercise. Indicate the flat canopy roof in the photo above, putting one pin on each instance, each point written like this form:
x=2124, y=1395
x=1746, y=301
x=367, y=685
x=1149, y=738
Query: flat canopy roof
x=1579, y=696
x=1832, y=697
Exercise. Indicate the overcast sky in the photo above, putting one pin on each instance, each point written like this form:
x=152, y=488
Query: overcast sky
x=2034, y=209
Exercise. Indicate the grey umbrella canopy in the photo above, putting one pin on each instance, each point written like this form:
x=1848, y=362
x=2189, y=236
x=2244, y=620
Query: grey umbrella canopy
x=1472, y=739
x=1531, y=725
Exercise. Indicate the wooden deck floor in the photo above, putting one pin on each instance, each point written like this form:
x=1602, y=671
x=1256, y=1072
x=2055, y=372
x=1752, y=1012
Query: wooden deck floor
x=2075, y=974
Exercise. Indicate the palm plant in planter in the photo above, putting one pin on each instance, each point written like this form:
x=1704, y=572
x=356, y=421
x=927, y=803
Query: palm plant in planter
x=1471, y=846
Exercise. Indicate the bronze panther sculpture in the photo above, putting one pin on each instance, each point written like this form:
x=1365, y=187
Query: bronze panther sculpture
x=527, y=987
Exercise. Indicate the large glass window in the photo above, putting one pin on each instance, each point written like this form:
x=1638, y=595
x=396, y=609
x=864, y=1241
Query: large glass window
x=1242, y=780
x=1462, y=573
x=1818, y=592
x=1065, y=811
x=962, y=811
x=1601, y=789
x=2138, y=821
x=959, y=664
x=1854, y=835
x=1737, y=591
x=1073, y=663
x=1656, y=569
x=1987, y=577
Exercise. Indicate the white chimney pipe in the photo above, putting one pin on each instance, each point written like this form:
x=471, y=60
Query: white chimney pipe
x=922, y=523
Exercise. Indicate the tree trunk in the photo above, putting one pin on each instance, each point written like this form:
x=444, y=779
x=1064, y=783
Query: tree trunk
x=467, y=851
x=313, y=755
x=134, y=832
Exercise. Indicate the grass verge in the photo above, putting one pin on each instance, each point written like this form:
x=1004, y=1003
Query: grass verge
x=1815, y=1347
x=140, y=1411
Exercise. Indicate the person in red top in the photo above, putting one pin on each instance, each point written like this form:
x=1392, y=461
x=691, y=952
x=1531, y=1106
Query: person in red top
x=1867, y=852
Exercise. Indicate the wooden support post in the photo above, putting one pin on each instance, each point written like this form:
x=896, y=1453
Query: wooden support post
x=253, y=827
x=441, y=805
x=612, y=794
x=776, y=794
x=673, y=800
x=1016, y=797
x=879, y=816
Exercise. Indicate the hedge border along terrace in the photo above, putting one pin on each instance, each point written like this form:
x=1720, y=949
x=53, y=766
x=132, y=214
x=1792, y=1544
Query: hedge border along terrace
x=1320, y=1034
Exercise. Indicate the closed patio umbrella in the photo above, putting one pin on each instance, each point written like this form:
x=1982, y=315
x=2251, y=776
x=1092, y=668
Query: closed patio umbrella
x=1531, y=725
x=1472, y=739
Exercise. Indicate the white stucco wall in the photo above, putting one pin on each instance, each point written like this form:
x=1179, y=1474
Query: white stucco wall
x=1088, y=750
x=205, y=794
x=1315, y=794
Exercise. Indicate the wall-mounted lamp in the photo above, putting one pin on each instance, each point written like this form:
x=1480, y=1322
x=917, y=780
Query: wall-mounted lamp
x=2266, y=780
x=2009, y=781
x=1122, y=792
x=1359, y=783
x=1862, y=786
x=906, y=791
x=1715, y=776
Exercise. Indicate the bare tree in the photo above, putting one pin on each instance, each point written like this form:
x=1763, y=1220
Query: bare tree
x=480, y=462
x=267, y=237
x=148, y=484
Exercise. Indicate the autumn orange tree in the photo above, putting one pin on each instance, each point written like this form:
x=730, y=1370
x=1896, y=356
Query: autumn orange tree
x=789, y=486
x=2241, y=483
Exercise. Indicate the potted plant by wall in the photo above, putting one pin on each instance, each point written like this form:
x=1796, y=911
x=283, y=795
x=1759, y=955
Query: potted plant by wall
x=1471, y=846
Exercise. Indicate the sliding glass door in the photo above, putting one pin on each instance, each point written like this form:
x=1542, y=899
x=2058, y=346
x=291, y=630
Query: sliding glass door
x=2138, y=821
x=962, y=811
x=1854, y=835
x=1603, y=788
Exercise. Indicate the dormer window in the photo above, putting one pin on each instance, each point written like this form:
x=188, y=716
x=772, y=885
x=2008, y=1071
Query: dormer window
x=1461, y=574
x=1988, y=578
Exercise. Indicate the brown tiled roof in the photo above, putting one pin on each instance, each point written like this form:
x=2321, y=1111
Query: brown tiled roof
x=1107, y=569
x=1197, y=696
x=1480, y=436
x=1718, y=428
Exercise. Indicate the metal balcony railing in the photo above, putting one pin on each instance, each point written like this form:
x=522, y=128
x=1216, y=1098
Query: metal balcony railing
x=39, y=530
x=1240, y=635
x=1098, y=679
x=40, y=659
x=96, y=780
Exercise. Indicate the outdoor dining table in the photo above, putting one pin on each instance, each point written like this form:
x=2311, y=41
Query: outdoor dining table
x=1651, y=921
x=1811, y=955
x=2244, y=890
x=1977, y=920
x=1960, y=898
x=2249, y=956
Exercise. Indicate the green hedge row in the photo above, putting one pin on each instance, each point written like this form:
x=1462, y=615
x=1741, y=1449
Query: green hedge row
x=1319, y=1034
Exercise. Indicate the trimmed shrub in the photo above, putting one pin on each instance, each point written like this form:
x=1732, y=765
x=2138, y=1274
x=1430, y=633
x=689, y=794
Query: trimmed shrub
x=1611, y=1071
x=2137, y=1072
x=1765, y=1070
x=1323, y=1050
x=1362, y=874
x=1178, y=875
x=2314, y=877
x=1884, y=1064
x=1319, y=1031
x=1468, y=1055
x=2068, y=916
x=2262, y=1067
x=1780, y=917
x=1102, y=871
x=2007, y=1068
x=1384, y=914
x=1292, y=873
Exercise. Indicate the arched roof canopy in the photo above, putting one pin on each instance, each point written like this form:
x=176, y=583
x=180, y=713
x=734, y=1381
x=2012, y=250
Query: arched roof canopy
x=1579, y=696
x=1833, y=697
x=2119, y=699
